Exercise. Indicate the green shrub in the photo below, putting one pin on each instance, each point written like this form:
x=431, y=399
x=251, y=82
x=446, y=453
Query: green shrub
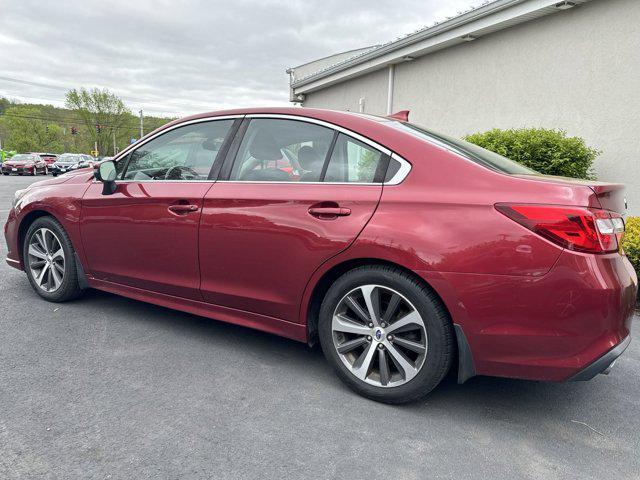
x=546, y=151
x=631, y=242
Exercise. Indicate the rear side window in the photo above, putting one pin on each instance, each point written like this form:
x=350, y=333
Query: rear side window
x=353, y=161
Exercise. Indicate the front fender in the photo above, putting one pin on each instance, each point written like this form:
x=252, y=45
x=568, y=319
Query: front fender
x=63, y=201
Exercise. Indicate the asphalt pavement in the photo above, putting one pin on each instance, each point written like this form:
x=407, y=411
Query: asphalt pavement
x=107, y=387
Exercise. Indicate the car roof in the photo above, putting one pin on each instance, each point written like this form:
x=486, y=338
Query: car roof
x=318, y=113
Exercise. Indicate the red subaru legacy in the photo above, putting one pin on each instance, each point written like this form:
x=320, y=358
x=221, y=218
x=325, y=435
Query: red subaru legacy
x=404, y=252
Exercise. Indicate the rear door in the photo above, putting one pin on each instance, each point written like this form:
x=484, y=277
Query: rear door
x=145, y=235
x=272, y=219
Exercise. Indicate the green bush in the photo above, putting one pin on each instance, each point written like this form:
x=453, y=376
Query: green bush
x=631, y=242
x=546, y=151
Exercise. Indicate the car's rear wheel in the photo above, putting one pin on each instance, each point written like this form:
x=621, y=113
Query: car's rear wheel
x=387, y=335
x=49, y=260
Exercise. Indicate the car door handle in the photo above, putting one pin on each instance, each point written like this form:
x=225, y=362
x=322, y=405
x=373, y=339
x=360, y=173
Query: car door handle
x=182, y=208
x=329, y=211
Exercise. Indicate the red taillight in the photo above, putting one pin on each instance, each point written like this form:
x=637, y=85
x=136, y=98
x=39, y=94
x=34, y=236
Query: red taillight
x=575, y=228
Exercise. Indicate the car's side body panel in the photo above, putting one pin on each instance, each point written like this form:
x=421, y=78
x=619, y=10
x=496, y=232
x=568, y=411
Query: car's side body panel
x=132, y=238
x=215, y=312
x=259, y=244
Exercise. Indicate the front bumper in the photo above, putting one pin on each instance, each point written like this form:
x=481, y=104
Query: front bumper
x=60, y=170
x=602, y=364
x=17, y=170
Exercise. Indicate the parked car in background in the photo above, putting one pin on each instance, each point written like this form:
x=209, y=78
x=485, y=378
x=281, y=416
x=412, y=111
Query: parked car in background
x=24, y=164
x=49, y=158
x=70, y=161
x=404, y=252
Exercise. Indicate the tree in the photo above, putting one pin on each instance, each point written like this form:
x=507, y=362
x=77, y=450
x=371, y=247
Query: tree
x=24, y=131
x=547, y=151
x=99, y=108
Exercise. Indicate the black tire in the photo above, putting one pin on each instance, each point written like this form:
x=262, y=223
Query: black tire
x=69, y=288
x=55, y=174
x=439, y=330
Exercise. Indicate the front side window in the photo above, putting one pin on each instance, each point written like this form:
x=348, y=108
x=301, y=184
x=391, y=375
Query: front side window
x=353, y=161
x=277, y=150
x=184, y=153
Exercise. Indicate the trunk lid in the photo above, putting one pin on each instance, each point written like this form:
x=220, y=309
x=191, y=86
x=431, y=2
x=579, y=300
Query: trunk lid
x=609, y=196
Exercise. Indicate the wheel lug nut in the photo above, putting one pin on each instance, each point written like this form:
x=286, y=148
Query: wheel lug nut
x=369, y=338
x=389, y=337
x=381, y=346
x=370, y=324
x=383, y=324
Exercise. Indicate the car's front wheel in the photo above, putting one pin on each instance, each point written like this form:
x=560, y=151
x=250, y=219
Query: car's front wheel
x=49, y=260
x=387, y=335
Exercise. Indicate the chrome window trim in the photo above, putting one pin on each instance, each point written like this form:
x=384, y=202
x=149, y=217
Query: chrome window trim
x=299, y=183
x=401, y=174
x=158, y=181
x=403, y=171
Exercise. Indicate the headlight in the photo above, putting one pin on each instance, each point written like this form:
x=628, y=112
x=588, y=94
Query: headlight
x=18, y=195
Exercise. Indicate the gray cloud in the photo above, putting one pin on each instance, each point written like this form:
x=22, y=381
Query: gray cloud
x=184, y=57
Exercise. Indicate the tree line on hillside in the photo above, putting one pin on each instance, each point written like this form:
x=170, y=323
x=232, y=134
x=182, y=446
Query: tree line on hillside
x=91, y=116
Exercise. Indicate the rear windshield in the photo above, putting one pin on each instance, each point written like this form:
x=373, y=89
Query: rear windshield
x=473, y=152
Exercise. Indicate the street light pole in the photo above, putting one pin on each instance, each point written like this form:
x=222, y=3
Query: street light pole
x=141, y=124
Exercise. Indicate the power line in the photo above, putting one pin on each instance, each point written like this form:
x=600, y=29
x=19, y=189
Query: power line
x=132, y=127
x=33, y=84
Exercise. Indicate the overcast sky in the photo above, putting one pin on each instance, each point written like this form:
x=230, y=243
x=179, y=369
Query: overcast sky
x=179, y=57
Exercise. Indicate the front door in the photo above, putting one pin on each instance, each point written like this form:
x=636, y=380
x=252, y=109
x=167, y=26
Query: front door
x=297, y=194
x=145, y=235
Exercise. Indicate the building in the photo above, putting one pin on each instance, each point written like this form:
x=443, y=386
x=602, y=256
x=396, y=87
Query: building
x=573, y=65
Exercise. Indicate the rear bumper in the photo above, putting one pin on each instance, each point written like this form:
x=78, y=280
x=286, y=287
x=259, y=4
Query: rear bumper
x=551, y=327
x=602, y=364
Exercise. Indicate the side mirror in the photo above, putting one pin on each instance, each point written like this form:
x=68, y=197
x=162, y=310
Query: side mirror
x=106, y=173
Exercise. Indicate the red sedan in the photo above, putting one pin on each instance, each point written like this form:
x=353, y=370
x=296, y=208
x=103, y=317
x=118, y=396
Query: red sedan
x=402, y=251
x=24, y=164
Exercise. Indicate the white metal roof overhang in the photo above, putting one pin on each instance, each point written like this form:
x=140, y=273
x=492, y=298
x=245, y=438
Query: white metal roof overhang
x=495, y=16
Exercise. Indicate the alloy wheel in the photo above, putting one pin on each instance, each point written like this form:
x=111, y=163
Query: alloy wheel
x=46, y=259
x=379, y=336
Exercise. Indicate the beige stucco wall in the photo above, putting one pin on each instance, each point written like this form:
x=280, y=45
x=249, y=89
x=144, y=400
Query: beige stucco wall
x=346, y=96
x=578, y=70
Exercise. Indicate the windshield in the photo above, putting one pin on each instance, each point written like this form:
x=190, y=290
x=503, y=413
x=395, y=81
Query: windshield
x=473, y=152
x=22, y=158
x=70, y=158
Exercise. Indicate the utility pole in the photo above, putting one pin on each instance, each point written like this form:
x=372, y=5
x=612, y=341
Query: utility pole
x=113, y=132
x=141, y=124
